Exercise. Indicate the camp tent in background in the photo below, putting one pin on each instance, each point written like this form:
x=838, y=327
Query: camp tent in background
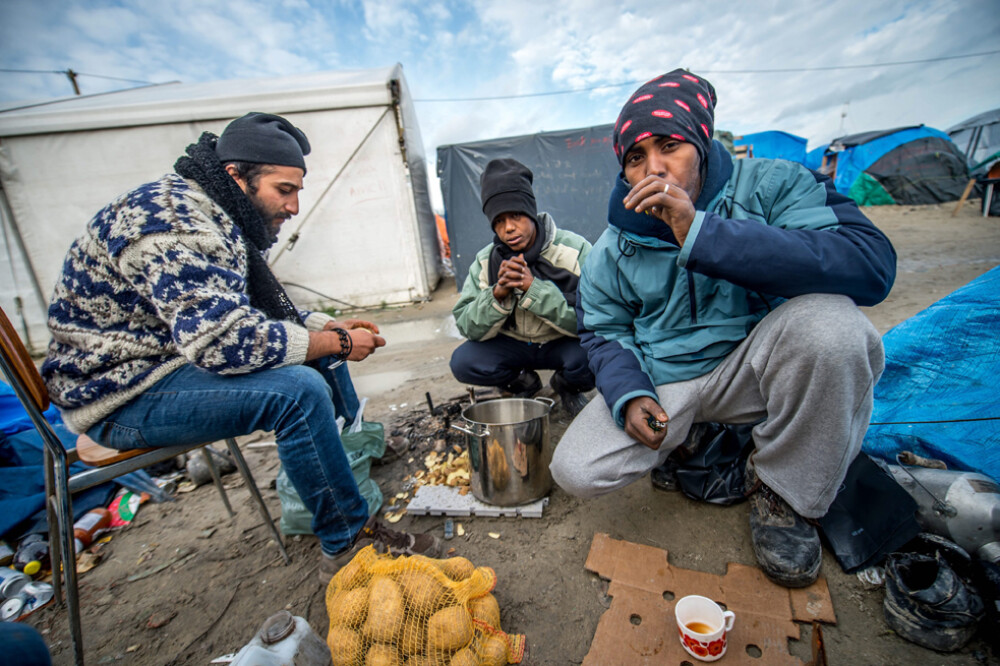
x=814, y=158
x=365, y=232
x=906, y=165
x=574, y=172
x=772, y=144
x=978, y=138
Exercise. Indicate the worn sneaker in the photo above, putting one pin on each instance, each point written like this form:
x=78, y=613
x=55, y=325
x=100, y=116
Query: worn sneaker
x=572, y=399
x=525, y=385
x=384, y=539
x=787, y=546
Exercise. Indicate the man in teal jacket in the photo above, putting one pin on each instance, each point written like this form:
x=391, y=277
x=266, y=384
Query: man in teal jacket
x=517, y=303
x=726, y=291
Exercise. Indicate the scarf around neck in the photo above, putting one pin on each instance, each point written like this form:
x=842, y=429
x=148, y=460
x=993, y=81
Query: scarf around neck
x=202, y=165
x=540, y=267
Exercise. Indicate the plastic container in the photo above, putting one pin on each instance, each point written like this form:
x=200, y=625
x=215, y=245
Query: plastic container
x=85, y=529
x=32, y=554
x=284, y=640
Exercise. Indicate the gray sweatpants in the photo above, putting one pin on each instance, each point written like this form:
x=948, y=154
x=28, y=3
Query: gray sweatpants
x=808, y=368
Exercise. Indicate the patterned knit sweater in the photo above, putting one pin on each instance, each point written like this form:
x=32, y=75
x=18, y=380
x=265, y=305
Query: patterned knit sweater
x=157, y=281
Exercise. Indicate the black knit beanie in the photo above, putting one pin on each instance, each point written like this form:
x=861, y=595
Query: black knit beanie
x=505, y=187
x=263, y=138
x=677, y=104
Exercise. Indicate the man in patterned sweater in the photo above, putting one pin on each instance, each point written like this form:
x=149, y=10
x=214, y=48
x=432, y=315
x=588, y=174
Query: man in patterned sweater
x=169, y=328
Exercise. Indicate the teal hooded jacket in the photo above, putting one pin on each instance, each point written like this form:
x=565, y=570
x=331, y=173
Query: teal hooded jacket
x=650, y=312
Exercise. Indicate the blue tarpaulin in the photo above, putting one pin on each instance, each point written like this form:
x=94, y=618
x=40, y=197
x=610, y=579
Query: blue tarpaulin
x=855, y=160
x=775, y=145
x=22, y=473
x=939, y=395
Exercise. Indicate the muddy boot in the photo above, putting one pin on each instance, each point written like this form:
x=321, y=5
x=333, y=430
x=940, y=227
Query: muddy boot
x=525, y=385
x=384, y=539
x=929, y=598
x=787, y=546
x=664, y=477
x=572, y=399
x=928, y=604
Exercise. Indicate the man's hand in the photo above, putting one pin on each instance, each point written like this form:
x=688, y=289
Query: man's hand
x=513, y=274
x=637, y=414
x=327, y=342
x=351, y=324
x=363, y=343
x=665, y=201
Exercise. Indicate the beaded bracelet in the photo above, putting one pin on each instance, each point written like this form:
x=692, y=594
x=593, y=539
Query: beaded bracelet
x=346, y=344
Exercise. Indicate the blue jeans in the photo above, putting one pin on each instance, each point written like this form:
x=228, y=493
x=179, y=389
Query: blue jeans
x=297, y=403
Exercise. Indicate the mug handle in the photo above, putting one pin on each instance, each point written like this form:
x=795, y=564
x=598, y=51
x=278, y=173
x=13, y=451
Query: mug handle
x=728, y=618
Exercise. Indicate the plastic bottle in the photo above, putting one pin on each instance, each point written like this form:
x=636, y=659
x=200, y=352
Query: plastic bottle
x=92, y=522
x=284, y=640
x=32, y=554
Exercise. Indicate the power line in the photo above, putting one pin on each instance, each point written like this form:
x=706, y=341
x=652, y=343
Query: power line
x=782, y=70
x=64, y=72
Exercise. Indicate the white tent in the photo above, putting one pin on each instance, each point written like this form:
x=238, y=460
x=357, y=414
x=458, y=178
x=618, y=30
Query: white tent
x=365, y=233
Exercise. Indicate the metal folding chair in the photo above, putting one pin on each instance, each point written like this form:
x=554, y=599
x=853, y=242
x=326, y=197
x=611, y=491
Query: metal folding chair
x=106, y=463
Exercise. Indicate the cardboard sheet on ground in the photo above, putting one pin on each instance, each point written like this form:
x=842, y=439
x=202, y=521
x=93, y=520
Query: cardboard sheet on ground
x=639, y=626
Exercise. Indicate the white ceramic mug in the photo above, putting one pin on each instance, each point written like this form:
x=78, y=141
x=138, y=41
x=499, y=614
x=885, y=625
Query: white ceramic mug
x=703, y=627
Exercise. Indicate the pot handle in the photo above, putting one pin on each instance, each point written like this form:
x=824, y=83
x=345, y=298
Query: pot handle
x=547, y=400
x=478, y=435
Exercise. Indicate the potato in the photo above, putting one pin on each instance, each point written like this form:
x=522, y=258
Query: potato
x=345, y=646
x=449, y=629
x=380, y=654
x=424, y=593
x=487, y=609
x=422, y=660
x=413, y=639
x=493, y=651
x=385, y=610
x=457, y=568
x=348, y=608
x=464, y=657
x=351, y=575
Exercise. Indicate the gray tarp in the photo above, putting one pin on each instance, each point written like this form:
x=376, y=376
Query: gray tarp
x=574, y=172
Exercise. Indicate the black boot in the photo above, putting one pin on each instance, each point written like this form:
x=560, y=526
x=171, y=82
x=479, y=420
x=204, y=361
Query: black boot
x=525, y=385
x=572, y=398
x=787, y=546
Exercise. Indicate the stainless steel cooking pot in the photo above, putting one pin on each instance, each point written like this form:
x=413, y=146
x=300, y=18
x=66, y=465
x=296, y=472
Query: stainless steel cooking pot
x=509, y=449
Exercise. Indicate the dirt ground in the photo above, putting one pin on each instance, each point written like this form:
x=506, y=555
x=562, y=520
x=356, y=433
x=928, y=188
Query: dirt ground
x=222, y=578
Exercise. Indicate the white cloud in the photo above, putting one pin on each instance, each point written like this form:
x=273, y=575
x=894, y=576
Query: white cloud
x=461, y=50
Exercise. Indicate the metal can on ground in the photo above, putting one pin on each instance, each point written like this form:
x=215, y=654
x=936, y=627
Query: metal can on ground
x=11, y=582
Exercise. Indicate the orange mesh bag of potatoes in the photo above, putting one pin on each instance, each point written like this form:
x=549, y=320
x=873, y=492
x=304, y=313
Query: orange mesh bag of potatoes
x=416, y=611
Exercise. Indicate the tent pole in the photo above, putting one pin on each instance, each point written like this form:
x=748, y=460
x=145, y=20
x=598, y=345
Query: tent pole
x=7, y=215
x=295, y=235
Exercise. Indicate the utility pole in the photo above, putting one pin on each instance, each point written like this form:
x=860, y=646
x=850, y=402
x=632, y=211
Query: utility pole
x=72, y=79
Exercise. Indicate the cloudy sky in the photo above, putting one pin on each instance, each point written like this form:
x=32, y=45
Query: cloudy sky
x=481, y=70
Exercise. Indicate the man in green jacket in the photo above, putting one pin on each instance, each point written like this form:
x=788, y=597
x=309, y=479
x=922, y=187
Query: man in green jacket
x=726, y=291
x=517, y=304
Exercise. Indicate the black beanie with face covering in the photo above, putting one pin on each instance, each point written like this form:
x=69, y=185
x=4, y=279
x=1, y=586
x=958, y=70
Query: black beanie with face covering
x=263, y=138
x=677, y=104
x=505, y=187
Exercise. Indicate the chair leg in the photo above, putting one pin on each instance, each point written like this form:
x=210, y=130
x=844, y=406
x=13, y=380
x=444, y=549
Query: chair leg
x=217, y=480
x=52, y=517
x=68, y=555
x=241, y=464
